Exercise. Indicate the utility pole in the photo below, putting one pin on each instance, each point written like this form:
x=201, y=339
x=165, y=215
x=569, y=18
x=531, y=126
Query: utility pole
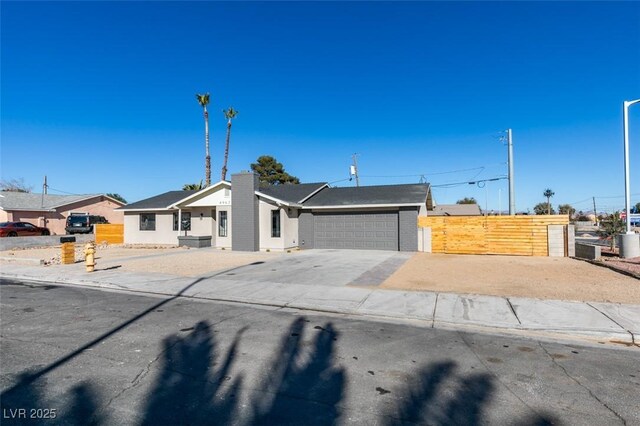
x=45, y=187
x=354, y=168
x=595, y=212
x=512, y=199
x=44, y=191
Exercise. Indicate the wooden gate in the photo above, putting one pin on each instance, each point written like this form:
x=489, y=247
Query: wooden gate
x=112, y=233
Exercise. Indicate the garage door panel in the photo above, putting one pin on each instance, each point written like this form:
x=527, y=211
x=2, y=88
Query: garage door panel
x=364, y=231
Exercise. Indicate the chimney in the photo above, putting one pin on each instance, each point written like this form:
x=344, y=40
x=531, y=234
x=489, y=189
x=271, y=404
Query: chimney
x=245, y=231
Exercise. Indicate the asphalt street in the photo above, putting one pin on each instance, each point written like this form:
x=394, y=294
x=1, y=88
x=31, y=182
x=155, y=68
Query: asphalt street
x=98, y=357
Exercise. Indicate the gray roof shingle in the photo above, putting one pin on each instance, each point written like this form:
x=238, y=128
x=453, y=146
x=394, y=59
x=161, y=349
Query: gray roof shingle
x=292, y=193
x=364, y=195
x=10, y=200
x=161, y=201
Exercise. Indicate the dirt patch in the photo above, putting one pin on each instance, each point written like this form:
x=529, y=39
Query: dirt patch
x=190, y=263
x=537, y=277
x=170, y=260
x=51, y=255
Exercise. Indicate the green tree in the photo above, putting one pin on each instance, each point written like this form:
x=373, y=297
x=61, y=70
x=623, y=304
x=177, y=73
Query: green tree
x=14, y=185
x=566, y=209
x=117, y=197
x=192, y=186
x=637, y=208
x=229, y=114
x=610, y=226
x=548, y=193
x=467, y=200
x=543, y=208
x=203, y=100
x=271, y=172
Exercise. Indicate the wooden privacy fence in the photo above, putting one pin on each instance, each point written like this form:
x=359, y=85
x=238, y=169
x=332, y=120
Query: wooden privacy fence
x=110, y=233
x=515, y=235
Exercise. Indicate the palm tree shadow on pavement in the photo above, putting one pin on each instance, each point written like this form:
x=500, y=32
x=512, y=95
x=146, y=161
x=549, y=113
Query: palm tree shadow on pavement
x=425, y=400
x=188, y=390
x=197, y=384
x=302, y=387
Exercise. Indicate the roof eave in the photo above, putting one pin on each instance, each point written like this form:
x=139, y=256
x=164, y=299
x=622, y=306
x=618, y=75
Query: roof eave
x=153, y=209
x=326, y=185
x=277, y=200
x=9, y=209
x=361, y=206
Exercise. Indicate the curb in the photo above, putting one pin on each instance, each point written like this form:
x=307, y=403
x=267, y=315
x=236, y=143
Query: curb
x=625, y=338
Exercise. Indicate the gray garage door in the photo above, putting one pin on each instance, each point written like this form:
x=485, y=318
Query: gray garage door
x=371, y=230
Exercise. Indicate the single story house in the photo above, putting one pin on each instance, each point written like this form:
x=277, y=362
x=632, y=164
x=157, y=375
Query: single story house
x=52, y=210
x=241, y=215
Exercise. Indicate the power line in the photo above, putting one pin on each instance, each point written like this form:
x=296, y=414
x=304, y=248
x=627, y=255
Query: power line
x=470, y=182
x=63, y=192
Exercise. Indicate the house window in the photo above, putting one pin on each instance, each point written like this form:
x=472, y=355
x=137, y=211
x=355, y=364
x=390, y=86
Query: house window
x=147, y=221
x=275, y=223
x=186, y=221
x=222, y=223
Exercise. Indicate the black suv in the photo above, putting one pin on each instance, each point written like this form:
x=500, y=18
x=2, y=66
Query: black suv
x=83, y=223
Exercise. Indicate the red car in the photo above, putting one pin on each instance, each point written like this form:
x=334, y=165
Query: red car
x=21, y=229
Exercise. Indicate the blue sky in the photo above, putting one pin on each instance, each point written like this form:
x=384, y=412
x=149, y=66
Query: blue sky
x=99, y=96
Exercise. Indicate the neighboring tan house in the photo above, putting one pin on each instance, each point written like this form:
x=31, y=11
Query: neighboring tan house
x=312, y=215
x=52, y=210
x=456, y=210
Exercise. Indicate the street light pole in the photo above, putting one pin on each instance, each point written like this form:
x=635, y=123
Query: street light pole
x=629, y=246
x=627, y=190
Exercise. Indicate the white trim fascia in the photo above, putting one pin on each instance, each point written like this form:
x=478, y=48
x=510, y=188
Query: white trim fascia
x=326, y=185
x=202, y=191
x=277, y=200
x=158, y=209
x=361, y=206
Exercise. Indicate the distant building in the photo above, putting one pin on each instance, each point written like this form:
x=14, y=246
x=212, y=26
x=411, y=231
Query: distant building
x=456, y=210
x=52, y=210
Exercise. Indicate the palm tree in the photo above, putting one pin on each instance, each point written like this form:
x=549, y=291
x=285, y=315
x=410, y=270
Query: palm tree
x=610, y=227
x=203, y=100
x=192, y=186
x=548, y=193
x=229, y=115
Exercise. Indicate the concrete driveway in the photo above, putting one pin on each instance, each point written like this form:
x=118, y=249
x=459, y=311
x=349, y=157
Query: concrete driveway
x=323, y=267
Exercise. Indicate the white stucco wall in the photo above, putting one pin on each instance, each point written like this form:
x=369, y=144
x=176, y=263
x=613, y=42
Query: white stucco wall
x=288, y=227
x=164, y=233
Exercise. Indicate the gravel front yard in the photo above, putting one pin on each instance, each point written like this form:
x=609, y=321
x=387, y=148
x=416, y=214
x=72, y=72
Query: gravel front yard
x=537, y=277
x=163, y=260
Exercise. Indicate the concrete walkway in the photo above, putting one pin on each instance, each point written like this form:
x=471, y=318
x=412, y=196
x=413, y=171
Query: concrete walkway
x=597, y=322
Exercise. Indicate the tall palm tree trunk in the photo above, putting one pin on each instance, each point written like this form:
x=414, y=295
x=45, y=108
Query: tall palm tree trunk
x=548, y=205
x=207, y=158
x=226, y=151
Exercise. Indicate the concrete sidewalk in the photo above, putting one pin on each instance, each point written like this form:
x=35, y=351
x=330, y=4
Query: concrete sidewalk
x=599, y=322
